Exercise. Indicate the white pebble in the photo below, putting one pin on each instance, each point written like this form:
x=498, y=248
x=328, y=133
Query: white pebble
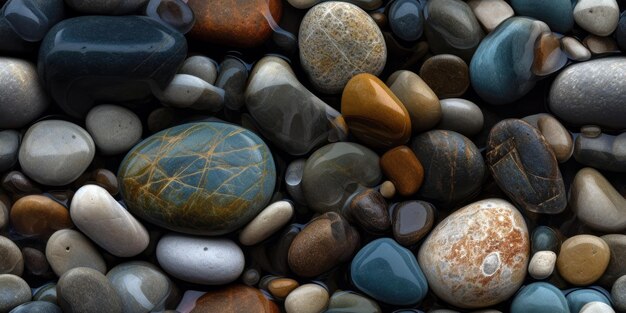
x=542, y=264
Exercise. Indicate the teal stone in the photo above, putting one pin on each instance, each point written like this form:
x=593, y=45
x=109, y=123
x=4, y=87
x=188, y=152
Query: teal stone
x=205, y=178
x=501, y=68
x=545, y=238
x=558, y=14
x=577, y=298
x=388, y=272
x=539, y=297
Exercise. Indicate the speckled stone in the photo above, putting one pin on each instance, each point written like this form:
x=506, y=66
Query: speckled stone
x=84, y=290
x=141, y=286
x=114, y=129
x=539, y=297
x=269, y=221
x=596, y=202
x=446, y=74
x=35, y=215
x=13, y=292
x=334, y=50
x=491, y=13
x=308, y=298
x=618, y=294
x=21, y=94
x=556, y=135
x=583, y=259
x=599, y=150
x=542, y=264
x=599, y=17
x=557, y=14
x=478, y=255
x=234, y=299
x=418, y=98
x=461, y=116
x=616, y=267
x=106, y=7
x=11, y=259
x=9, y=147
x=37, y=307
x=67, y=249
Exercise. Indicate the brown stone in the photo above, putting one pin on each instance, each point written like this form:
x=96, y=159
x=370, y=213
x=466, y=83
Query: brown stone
x=419, y=100
x=18, y=185
x=600, y=45
x=549, y=57
x=446, y=74
x=281, y=287
x=238, y=23
x=369, y=210
x=375, y=116
x=583, y=259
x=404, y=170
x=35, y=215
x=380, y=19
x=235, y=299
x=557, y=136
x=412, y=220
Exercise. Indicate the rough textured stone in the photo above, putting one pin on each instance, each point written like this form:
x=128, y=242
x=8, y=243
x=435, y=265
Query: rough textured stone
x=84, y=290
x=618, y=293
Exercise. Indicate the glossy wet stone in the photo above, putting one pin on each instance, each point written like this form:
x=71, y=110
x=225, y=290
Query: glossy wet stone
x=501, y=69
x=106, y=7
x=471, y=271
x=545, y=238
x=615, y=269
x=288, y=114
x=190, y=92
x=389, y=273
x=412, y=220
x=557, y=14
x=31, y=20
x=67, y=249
x=47, y=293
x=368, y=209
x=574, y=49
x=583, y=259
x=602, y=151
x=21, y=93
x=228, y=176
x=446, y=74
x=13, y=292
x=525, y=168
x=233, y=76
x=418, y=98
x=406, y=19
x=234, y=299
x=293, y=180
x=599, y=17
x=461, y=116
x=173, y=13
x=490, y=13
x=9, y=147
x=556, y=135
x=452, y=167
x=270, y=220
x=36, y=215
x=87, y=290
x=281, y=287
x=114, y=129
x=542, y=264
x=141, y=286
x=309, y=298
x=549, y=57
x=401, y=166
x=578, y=298
x=347, y=301
x=11, y=259
x=37, y=307
x=598, y=45
x=91, y=77
x=18, y=185
x=539, y=298
x=596, y=202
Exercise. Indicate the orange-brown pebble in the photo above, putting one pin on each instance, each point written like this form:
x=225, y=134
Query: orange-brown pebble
x=281, y=287
x=235, y=299
x=373, y=113
x=39, y=215
x=549, y=57
x=403, y=168
x=583, y=259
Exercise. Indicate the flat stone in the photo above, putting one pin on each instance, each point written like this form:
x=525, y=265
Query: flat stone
x=106, y=7
x=13, y=292
x=446, y=74
x=419, y=100
x=200, y=66
x=368, y=209
x=557, y=14
x=491, y=13
x=36, y=215
x=579, y=297
x=9, y=147
x=597, y=307
x=401, y=166
x=461, y=116
x=67, y=249
x=114, y=129
x=234, y=299
x=406, y=19
x=347, y=301
x=141, y=286
x=269, y=221
x=308, y=298
x=599, y=17
x=83, y=290
x=539, y=297
x=37, y=307
x=472, y=271
x=615, y=269
x=282, y=287
x=556, y=135
x=21, y=94
x=542, y=264
x=618, y=294
x=601, y=151
x=549, y=57
x=596, y=202
x=190, y=92
x=583, y=259
x=11, y=259
x=574, y=49
x=598, y=45
x=412, y=220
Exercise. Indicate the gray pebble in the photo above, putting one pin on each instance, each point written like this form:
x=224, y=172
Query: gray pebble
x=47, y=292
x=35, y=261
x=293, y=180
x=618, y=294
x=201, y=67
x=85, y=290
x=461, y=116
x=141, y=286
x=13, y=292
x=186, y=91
x=233, y=78
x=37, y=307
x=9, y=145
x=114, y=129
x=67, y=249
x=11, y=259
x=21, y=95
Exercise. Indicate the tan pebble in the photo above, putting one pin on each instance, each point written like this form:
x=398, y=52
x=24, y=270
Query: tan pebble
x=574, y=49
x=542, y=264
x=557, y=136
x=419, y=100
x=387, y=189
x=600, y=45
x=270, y=220
x=583, y=259
x=309, y=298
x=281, y=287
x=490, y=13
x=67, y=249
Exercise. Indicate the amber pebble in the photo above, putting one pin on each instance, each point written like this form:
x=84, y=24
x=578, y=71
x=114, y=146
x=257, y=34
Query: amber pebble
x=18, y=185
x=549, y=57
x=373, y=113
x=369, y=209
x=281, y=287
x=412, y=220
x=387, y=189
x=583, y=259
x=35, y=215
x=600, y=45
x=403, y=168
x=235, y=299
x=419, y=100
x=380, y=19
x=446, y=74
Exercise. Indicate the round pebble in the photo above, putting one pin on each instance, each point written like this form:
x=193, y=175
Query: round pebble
x=583, y=259
x=461, y=116
x=387, y=189
x=35, y=215
x=114, y=129
x=542, y=264
x=308, y=298
x=11, y=259
x=201, y=67
x=13, y=292
x=596, y=202
x=141, y=286
x=598, y=17
x=447, y=75
x=35, y=261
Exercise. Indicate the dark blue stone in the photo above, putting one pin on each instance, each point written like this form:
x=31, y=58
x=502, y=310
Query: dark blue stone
x=406, y=19
x=31, y=19
x=539, y=297
x=577, y=298
x=558, y=14
x=545, y=238
x=94, y=59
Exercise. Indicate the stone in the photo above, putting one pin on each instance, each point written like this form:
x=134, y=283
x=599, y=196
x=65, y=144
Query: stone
x=334, y=50
x=501, y=77
x=574, y=49
x=200, y=66
x=141, y=286
x=406, y=19
x=557, y=14
x=13, y=292
x=269, y=221
x=446, y=74
x=583, y=259
x=107, y=7
x=172, y=13
x=549, y=58
x=525, y=168
x=596, y=202
x=31, y=20
x=618, y=294
x=601, y=151
x=226, y=173
x=85, y=290
x=35, y=261
x=308, y=298
x=274, y=257
x=241, y=24
x=18, y=185
x=478, y=255
x=387, y=189
x=251, y=277
x=9, y=147
x=363, y=4
x=597, y=307
x=347, y=302
x=597, y=81
x=388, y=272
x=106, y=179
x=234, y=299
x=545, y=238
x=556, y=135
x=293, y=180
x=401, y=166
x=419, y=100
x=281, y=287
x=453, y=167
x=451, y=27
x=461, y=116
x=374, y=115
x=4, y=212
x=21, y=94
x=37, y=307
x=598, y=45
x=190, y=92
x=287, y=113
x=55, y=152
x=542, y=264
x=37, y=215
x=579, y=297
x=615, y=269
x=620, y=31
x=491, y=13
x=412, y=221
x=47, y=292
x=599, y=17
x=539, y=297
x=67, y=249
x=368, y=209
x=325, y=241
x=233, y=78
x=78, y=73
x=99, y=216
x=114, y=129
x=11, y=259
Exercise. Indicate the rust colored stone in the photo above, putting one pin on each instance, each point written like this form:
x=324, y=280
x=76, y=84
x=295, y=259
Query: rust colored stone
x=404, y=170
x=35, y=215
x=235, y=299
x=281, y=287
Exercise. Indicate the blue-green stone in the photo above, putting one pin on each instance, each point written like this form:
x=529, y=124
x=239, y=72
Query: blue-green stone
x=558, y=14
x=577, y=298
x=205, y=178
x=545, y=238
x=539, y=297
x=388, y=272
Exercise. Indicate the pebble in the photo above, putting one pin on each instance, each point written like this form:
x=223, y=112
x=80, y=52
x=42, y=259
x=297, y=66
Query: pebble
x=579, y=297
x=13, y=292
x=293, y=180
x=18, y=185
x=234, y=299
x=67, y=249
x=615, y=269
x=419, y=100
x=269, y=221
x=37, y=307
x=141, y=286
x=47, y=292
x=282, y=287
x=545, y=238
x=490, y=13
x=387, y=189
x=557, y=136
x=363, y=4
x=597, y=307
x=11, y=259
x=368, y=209
x=557, y=14
x=36, y=215
x=599, y=17
x=539, y=297
x=200, y=260
x=106, y=7
x=114, y=129
x=190, y=92
x=447, y=74
x=403, y=169
x=172, y=13
x=31, y=20
x=83, y=290
x=412, y=220
x=200, y=66
x=549, y=57
x=596, y=202
x=618, y=294
x=21, y=94
x=542, y=264
x=600, y=45
x=574, y=49
x=348, y=302
x=475, y=271
x=308, y=298
x=35, y=261
x=406, y=19
x=583, y=259
x=334, y=50
x=601, y=151
x=9, y=147
x=461, y=116
x=233, y=78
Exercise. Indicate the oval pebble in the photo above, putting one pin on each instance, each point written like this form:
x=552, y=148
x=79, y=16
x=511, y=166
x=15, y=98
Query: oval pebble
x=67, y=249
x=308, y=298
x=13, y=291
x=141, y=286
x=542, y=264
x=583, y=259
x=85, y=290
x=114, y=129
x=270, y=220
x=11, y=259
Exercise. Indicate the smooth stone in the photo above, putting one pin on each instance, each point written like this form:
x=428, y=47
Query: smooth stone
x=13, y=292
x=591, y=93
x=99, y=216
x=35, y=261
x=31, y=20
x=601, y=45
x=412, y=220
x=76, y=68
x=106, y=179
x=17, y=185
x=542, y=264
x=4, y=212
x=142, y=287
x=233, y=78
x=47, y=292
x=83, y=290
x=55, y=152
x=539, y=297
x=282, y=287
x=106, y=7
x=67, y=249
x=114, y=129
x=242, y=24
x=11, y=259
x=37, y=307
x=599, y=17
x=172, y=13
x=334, y=50
x=406, y=19
x=620, y=31
x=583, y=259
x=472, y=271
x=549, y=58
x=9, y=147
x=387, y=189
x=419, y=100
x=293, y=180
x=36, y=215
x=368, y=209
x=363, y=4
x=451, y=27
x=226, y=174
x=579, y=298
x=308, y=298
x=325, y=241
x=269, y=221
x=618, y=294
x=403, y=169
x=574, y=49
x=557, y=13
x=601, y=151
x=349, y=302
x=453, y=167
x=287, y=113
x=501, y=69
x=234, y=299
x=21, y=93
x=616, y=268
x=274, y=257
x=389, y=273
x=337, y=171
x=525, y=168
x=200, y=66
x=556, y=135
x=251, y=277
x=597, y=307
x=190, y=92
x=596, y=202
x=447, y=74
x=545, y=238
x=491, y=13
x=461, y=116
